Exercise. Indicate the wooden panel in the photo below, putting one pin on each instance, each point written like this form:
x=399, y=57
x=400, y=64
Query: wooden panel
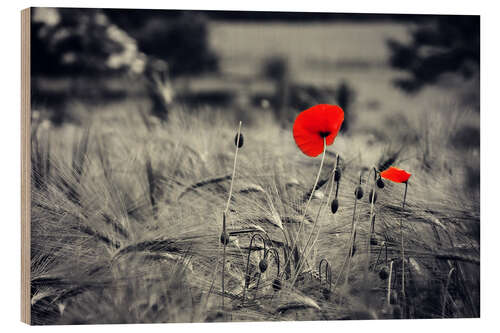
x=25, y=166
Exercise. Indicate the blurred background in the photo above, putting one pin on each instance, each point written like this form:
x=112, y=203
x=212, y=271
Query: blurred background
x=388, y=72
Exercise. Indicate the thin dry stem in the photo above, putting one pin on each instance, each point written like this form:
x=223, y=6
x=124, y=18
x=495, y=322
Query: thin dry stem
x=225, y=213
x=234, y=170
x=445, y=293
x=368, y=247
x=389, y=284
x=307, y=204
x=353, y=232
x=308, y=248
x=403, y=294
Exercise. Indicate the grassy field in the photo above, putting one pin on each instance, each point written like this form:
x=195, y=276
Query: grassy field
x=127, y=211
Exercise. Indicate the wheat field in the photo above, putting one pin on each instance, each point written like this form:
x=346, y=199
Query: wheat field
x=127, y=217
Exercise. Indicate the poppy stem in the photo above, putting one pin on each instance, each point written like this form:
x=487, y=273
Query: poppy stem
x=307, y=248
x=226, y=235
x=351, y=242
x=247, y=273
x=223, y=273
x=353, y=232
x=257, y=287
x=305, y=212
x=340, y=274
x=403, y=294
x=404, y=197
x=234, y=169
x=315, y=182
x=308, y=203
x=370, y=234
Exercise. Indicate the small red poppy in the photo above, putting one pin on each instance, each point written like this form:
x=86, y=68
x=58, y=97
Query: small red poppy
x=314, y=124
x=396, y=175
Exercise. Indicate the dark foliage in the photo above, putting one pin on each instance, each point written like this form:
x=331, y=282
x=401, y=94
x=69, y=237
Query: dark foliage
x=72, y=41
x=178, y=37
x=345, y=98
x=441, y=44
x=79, y=41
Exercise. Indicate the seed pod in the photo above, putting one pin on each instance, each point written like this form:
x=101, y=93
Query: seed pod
x=263, y=265
x=353, y=250
x=372, y=196
x=380, y=183
x=240, y=143
x=224, y=238
x=326, y=293
x=373, y=240
x=277, y=284
x=337, y=174
x=335, y=206
x=358, y=192
x=296, y=255
x=383, y=274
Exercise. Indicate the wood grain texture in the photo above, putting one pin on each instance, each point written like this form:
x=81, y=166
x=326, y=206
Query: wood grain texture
x=25, y=166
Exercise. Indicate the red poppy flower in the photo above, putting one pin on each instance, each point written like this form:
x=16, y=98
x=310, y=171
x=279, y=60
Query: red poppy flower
x=314, y=124
x=396, y=175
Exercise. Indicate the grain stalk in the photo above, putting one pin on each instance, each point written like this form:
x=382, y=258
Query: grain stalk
x=389, y=284
x=445, y=291
x=225, y=235
x=358, y=195
x=328, y=273
x=307, y=247
x=294, y=244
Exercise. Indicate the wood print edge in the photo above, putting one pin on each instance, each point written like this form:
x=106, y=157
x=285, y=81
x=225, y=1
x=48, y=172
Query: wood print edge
x=25, y=166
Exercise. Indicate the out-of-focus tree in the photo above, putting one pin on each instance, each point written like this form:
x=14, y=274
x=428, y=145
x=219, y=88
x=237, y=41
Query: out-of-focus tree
x=80, y=42
x=178, y=37
x=438, y=45
x=277, y=69
x=346, y=96
x=159, y=87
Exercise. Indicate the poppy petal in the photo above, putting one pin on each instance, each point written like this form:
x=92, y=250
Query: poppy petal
x=310, y=144
x=314, y=124
x=396, y=175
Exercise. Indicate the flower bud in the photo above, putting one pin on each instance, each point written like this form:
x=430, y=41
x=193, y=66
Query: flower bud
x=383, y=274
x=358, y=192
x=335, y=206
x=263, y=265
x=380, y=183
x=240, y=143
x=296, y=255
x=277, y=284
x=224, y=238
x=337, y=174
